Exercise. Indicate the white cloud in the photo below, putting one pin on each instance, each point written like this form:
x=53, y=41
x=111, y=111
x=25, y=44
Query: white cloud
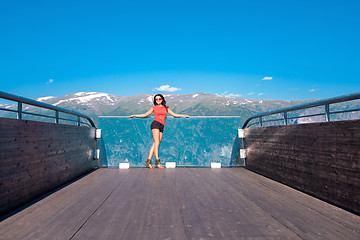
x=250, y=93
x=167, y=88
x=50, y=81
x=267, y=78
x=313, y=90
x=260, y=94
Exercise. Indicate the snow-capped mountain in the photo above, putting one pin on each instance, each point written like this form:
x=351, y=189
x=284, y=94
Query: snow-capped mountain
x=95, y=104
x=83, y=98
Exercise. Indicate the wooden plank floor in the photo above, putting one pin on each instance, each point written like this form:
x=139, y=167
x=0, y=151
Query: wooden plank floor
x=181, y=203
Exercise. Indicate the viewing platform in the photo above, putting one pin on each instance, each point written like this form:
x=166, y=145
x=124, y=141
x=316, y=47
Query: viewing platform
x=297, y=180
x=181, y=203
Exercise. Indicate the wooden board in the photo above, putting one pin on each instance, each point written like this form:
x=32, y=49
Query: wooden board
x=36, y=157
x=322, y=159
x=180, y=203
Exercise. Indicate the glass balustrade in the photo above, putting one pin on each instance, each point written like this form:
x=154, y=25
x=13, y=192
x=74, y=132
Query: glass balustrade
x=194, y=142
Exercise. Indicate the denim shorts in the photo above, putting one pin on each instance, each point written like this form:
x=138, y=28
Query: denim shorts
x=157, y=125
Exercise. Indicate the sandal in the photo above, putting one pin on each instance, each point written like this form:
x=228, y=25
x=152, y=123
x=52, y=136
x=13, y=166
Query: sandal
x=148, y=163
x=157, y=163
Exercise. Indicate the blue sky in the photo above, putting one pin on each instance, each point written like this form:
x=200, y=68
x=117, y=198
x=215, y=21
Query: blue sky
x=279, y=49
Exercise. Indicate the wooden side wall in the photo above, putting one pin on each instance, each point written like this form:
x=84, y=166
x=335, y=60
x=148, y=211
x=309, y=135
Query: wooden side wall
x=322, y=159
x=36, y=157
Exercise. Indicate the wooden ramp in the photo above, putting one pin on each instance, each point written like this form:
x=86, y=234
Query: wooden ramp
x=181, y=203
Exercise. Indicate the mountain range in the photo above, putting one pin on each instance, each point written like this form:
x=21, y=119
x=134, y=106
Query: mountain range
x=96, y=104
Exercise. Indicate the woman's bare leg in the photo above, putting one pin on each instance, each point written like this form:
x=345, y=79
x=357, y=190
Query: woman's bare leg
x=157, y=135
x=159, y=164
x=154, y=150
x=151, y=152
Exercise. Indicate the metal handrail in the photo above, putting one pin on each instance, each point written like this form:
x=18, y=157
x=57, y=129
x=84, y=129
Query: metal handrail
x=20, y=100
x=151, y=116
x=324, y=102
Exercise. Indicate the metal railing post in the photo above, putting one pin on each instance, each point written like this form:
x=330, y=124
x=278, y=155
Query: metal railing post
x=327, y=113
x=260, y=120
x=285, y=118
x=19, y=112
x=78, y=118
x=57, y=117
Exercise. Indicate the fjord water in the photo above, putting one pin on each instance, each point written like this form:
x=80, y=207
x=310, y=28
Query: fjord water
x=194, y=142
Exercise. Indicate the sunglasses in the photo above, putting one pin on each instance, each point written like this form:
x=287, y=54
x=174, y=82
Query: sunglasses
x=158, y=99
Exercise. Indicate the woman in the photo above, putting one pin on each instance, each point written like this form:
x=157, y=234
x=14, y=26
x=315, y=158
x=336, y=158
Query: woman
x=157, y=126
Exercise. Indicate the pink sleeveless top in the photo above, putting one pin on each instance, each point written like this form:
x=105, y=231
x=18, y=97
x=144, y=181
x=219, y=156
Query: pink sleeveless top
x=160, y=113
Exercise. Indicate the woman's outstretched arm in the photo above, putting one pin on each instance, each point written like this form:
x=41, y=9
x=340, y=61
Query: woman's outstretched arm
x=143, y=115
x=177, y=115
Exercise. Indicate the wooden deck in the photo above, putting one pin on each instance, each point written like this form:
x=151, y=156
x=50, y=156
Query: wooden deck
x=181, y=203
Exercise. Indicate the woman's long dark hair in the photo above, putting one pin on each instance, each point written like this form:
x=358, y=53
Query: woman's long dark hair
x=163, y=102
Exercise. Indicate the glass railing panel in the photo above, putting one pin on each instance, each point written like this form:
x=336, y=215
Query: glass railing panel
x=348, y=111
x=194, y=142
x=7, y=108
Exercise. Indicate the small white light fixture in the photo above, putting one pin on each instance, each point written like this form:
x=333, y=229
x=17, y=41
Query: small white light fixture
x=215, y=165
x=170, y=164
x=124, y=165
x=97, y=154
x=242, y=153
x=98, y=134
x=241, y=133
